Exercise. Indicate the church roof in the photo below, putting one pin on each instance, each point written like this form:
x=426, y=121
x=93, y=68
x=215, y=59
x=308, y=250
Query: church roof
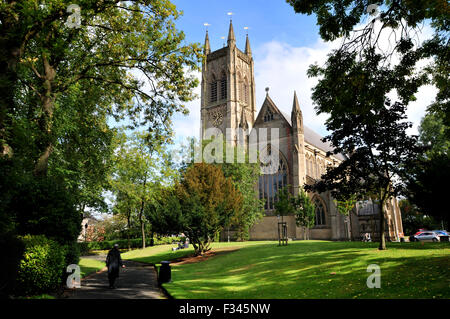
x=311, y=137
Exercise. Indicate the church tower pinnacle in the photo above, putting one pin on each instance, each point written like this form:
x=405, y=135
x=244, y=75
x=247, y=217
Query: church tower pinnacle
x=248, y=51
x=207, y=48
x=299, y=160
x=296, y=115
x=231, y=37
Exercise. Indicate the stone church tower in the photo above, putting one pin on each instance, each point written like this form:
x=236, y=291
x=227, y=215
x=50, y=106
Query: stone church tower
x=228, y=87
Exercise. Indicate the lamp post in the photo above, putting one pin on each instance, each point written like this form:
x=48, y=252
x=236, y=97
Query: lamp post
x=85, y=231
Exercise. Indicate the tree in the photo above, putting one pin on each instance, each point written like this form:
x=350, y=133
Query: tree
x=141, y=165
x=431, y=170
x=201, y=204
x=244, y=176
x=165, y=213
x=413, y=219
x=355, y=84
x=432, y=133
x=45, y=57
x=283, y=206
x=366, y=125
x=345, y=208
x=424, y=186
x=304, y=211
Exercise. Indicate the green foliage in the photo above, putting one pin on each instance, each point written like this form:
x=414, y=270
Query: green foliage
x=431, y=170
x=346, y=206
x=85, y=247
x=432, y=134
x=200, y=206
x=44, y=60
x=358, y=77
x=235, y=164
x=244, y=176
x=12, y=252
x=208, y=201
x=413, y=219
x=45, y=206
x=141, y=165
x=304, y=210
x=165, y=213
x=42, y=266
x=425, y=188
x=283, y=206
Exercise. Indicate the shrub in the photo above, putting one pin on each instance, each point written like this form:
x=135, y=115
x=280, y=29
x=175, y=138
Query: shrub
x=45, y=206
x=12, y=252
x=85, y=247
x=42, y=266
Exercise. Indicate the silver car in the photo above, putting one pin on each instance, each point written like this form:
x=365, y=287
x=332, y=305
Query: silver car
x=427, y=236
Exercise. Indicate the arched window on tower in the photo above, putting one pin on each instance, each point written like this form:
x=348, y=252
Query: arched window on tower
x=241, y=89
x=320, y=212
x=213, y=90
x=270, y=184
x=245, y=88
x=223, y=87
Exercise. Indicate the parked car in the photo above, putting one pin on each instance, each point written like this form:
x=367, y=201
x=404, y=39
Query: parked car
x=426, y=236
x=420, y=231
x=441, y=232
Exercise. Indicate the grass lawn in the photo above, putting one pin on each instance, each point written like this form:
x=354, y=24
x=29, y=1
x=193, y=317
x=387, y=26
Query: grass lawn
x=156, y=254
x=89, y=266
x=308, y=269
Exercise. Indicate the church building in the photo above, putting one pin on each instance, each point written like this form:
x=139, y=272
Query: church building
x=228, y=101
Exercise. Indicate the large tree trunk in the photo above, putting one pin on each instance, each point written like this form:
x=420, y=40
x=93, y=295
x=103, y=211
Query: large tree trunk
x=142, y=225
x=141, y=213
x=129, y=229
x=11, y=52
x=46, y=120
x=382, y=226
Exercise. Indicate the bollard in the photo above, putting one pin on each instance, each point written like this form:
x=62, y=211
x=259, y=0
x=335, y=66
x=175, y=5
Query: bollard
x=165, y=273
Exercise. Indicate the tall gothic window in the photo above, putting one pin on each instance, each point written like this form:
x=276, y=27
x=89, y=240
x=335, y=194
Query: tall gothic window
x=269, y=185
x=320, y=212
x=245, y=88
x=213, y=91
x=223, y=87
x=241, y=90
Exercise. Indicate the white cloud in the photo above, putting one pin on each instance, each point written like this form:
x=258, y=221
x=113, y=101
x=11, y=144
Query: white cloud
x=282, y=68
x=188, y=126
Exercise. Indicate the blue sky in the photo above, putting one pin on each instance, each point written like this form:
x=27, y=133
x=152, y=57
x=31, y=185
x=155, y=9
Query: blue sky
x=267, y=20
x=283, y=44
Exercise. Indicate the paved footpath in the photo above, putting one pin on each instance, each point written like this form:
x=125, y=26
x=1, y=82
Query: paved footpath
x=136, y=281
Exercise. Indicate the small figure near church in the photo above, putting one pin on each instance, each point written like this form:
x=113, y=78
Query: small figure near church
x=367, y=238
x=113, y=262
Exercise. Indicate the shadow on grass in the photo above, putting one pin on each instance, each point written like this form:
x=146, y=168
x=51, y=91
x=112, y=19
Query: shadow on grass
x=169, y=255
x=86, y=271
x=317, y=270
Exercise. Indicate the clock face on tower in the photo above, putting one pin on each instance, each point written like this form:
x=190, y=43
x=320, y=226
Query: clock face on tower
x=217, y=118
x=216, y=115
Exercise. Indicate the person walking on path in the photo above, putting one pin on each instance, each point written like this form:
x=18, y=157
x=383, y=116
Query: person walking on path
x=113, y=262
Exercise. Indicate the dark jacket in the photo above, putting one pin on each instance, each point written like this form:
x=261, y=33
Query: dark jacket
x=113, y=262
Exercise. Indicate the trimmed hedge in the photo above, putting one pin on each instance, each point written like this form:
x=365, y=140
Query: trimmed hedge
x=42, y=266
x=123, y=243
